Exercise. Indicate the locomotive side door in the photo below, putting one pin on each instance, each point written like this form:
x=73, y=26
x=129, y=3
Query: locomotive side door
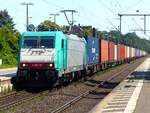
x=64, y=53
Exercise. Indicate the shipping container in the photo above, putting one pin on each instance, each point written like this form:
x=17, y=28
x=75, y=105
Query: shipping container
x=118, y=52
x=141, y=53
x=92, y=50
x=128, y=51
x=125, y=52
x=122, y=52
x=103, y=51
x=111, y=51
x=115, y=52
x=137, y=52
x=134, y=52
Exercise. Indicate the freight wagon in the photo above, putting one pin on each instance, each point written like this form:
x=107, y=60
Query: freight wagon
x=111, y=53
x=92, y=54
x=119, y=54
x=103, y=57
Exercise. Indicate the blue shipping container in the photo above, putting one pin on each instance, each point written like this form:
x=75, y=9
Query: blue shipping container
x=137, y=52
x=92, y=50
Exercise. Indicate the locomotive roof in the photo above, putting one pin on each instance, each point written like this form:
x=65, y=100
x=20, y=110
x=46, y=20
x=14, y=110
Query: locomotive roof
x=44, y=33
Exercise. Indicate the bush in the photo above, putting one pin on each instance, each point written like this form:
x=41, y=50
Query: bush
x=8, y=46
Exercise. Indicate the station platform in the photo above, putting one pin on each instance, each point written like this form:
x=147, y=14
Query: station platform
x=8, y=72
x=5, y=79
x=130, y=96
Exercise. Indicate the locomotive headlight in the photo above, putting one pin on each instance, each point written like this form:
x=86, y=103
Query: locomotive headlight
x=50, y=65
x=23, y=65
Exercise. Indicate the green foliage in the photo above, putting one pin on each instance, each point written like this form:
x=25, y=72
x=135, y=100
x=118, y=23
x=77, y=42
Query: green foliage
x=6, y=20
x=8, y=39
x=47, y=26
x=87, y=32
x=8, y=46
x=130, y=39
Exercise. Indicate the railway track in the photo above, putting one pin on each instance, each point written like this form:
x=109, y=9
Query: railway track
x=18, y=98
x=102, y=84
x=14, y=99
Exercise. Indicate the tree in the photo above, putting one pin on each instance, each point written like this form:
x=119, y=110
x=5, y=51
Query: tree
x=48, y=26
x=6, y=20
x=9, y=37
x=8, y=46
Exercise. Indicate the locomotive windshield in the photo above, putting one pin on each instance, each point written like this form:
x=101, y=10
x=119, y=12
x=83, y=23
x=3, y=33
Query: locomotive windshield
x=38, y=42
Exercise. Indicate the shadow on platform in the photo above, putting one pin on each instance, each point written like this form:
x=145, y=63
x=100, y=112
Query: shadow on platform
x=141, y=75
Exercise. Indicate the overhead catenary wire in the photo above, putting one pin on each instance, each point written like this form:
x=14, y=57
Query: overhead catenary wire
x=90, y=20
x=16, y=9
x=86, y=17
x=139, y=26
x=112, y=24
x=48, y=2
x=109, y=9
x=105, y=6
x=133, y=5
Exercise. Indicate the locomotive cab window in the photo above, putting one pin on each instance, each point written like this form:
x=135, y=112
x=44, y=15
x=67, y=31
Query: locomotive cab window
x=38, y=42
x=30, y=43
x=46, y=43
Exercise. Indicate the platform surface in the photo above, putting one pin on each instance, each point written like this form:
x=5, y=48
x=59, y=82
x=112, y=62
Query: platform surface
x=129, y=96
x=9, y=72
x=143, y=103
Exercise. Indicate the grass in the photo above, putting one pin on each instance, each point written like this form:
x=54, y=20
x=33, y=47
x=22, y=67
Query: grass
x=7, y=66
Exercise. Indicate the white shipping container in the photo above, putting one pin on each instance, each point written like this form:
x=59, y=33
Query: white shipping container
x=115, y=52
x=133, y=52
x=76, y=52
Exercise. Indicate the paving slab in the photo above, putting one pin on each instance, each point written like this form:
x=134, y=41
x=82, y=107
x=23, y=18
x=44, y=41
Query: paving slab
x=143, y=103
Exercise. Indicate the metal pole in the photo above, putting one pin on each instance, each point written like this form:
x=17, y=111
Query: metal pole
x=136, y=15
x=120, y=23
x=55, y=17
x=27, y=18
x=71, y=22
x=27, y=13
x=144, y=24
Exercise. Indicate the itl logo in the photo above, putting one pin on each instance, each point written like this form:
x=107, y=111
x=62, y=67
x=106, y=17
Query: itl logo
x=39, y=52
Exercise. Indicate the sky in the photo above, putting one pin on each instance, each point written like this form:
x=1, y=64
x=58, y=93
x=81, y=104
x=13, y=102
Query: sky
x=101, y=14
